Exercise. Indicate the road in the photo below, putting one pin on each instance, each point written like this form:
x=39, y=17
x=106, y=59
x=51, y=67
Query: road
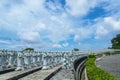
x=110, y=64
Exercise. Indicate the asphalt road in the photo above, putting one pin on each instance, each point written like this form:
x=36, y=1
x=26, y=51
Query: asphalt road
x=110, y=64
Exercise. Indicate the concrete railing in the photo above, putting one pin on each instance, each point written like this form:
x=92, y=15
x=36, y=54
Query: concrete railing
x=79, y=66
x=22, y=60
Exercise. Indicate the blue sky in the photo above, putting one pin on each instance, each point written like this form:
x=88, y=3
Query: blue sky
x=58, y=24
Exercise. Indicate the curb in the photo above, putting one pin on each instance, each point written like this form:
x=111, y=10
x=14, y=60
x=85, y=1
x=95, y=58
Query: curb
x=86, y=77
x=52, y=74
x=24, y=74
x=7, y=70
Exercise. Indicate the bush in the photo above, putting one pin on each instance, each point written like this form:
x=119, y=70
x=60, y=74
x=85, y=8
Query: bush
x=112, y=53
x=99, y=55
x=95, y=73
x=116, y=52
x=107, y=53
x=92, y=56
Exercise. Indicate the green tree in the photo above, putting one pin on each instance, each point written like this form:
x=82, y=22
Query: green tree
x=116, y=42
x=29, y=49
x=75, y=49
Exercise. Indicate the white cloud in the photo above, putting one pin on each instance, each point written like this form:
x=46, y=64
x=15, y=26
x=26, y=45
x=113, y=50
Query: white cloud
x=65, y=44
x=4, y=42
x=80, y=7
x=101, y=32
x=54, y=5
x=76, y=38
x=57, y=46
x=34, y=23
x=34, y=3
x=31, y=37
x=112, y=6
x=106, y=25
x=82, y=33
x=17, y=46
x=39, y=27
x=114, y=23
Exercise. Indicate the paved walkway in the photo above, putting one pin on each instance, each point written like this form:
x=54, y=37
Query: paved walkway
x=63, y=75
x=14, y=73
x=40, y=75
x=110, y=64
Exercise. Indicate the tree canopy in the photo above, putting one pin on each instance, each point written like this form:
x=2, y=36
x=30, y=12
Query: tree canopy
x=75, y=49
x=116, y=42
x=29, y=49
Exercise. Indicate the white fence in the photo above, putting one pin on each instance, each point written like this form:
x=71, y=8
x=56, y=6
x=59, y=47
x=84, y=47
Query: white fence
x=21, y=60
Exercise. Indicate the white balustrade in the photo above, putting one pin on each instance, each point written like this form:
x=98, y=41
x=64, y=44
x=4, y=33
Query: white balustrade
x=1, y=58
x=12, y=59
x=33, y=60
x=26, y=60
x=20, y=61
x=45, y=61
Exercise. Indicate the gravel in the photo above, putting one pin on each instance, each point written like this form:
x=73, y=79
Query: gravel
x=110, y=64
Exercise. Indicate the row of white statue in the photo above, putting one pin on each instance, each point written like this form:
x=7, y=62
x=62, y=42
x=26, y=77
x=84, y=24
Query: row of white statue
x=21, y=60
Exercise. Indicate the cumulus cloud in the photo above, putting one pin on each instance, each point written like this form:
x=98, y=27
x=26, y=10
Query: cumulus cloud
x=4, y=42
x=29, y=37
x=80, y=7
x=112, y=6
x=106, y=25
x=44, y=24
x=101, y=32
x=57, y=46
x=82, y=33
x=39, y=27
x=113, y=23
x=54, y=5
x=65, y=44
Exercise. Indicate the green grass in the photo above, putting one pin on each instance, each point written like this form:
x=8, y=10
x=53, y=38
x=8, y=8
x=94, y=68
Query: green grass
x=95, y=73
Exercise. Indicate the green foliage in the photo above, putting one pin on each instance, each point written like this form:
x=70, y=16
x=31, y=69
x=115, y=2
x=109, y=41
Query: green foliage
x=95, y=73
x=116, y=52
x=112, y=53
x=99, y=55
x=29, y=49
x=116, y=42
x=75, y=49
x=107, y=53
x=92, y=56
